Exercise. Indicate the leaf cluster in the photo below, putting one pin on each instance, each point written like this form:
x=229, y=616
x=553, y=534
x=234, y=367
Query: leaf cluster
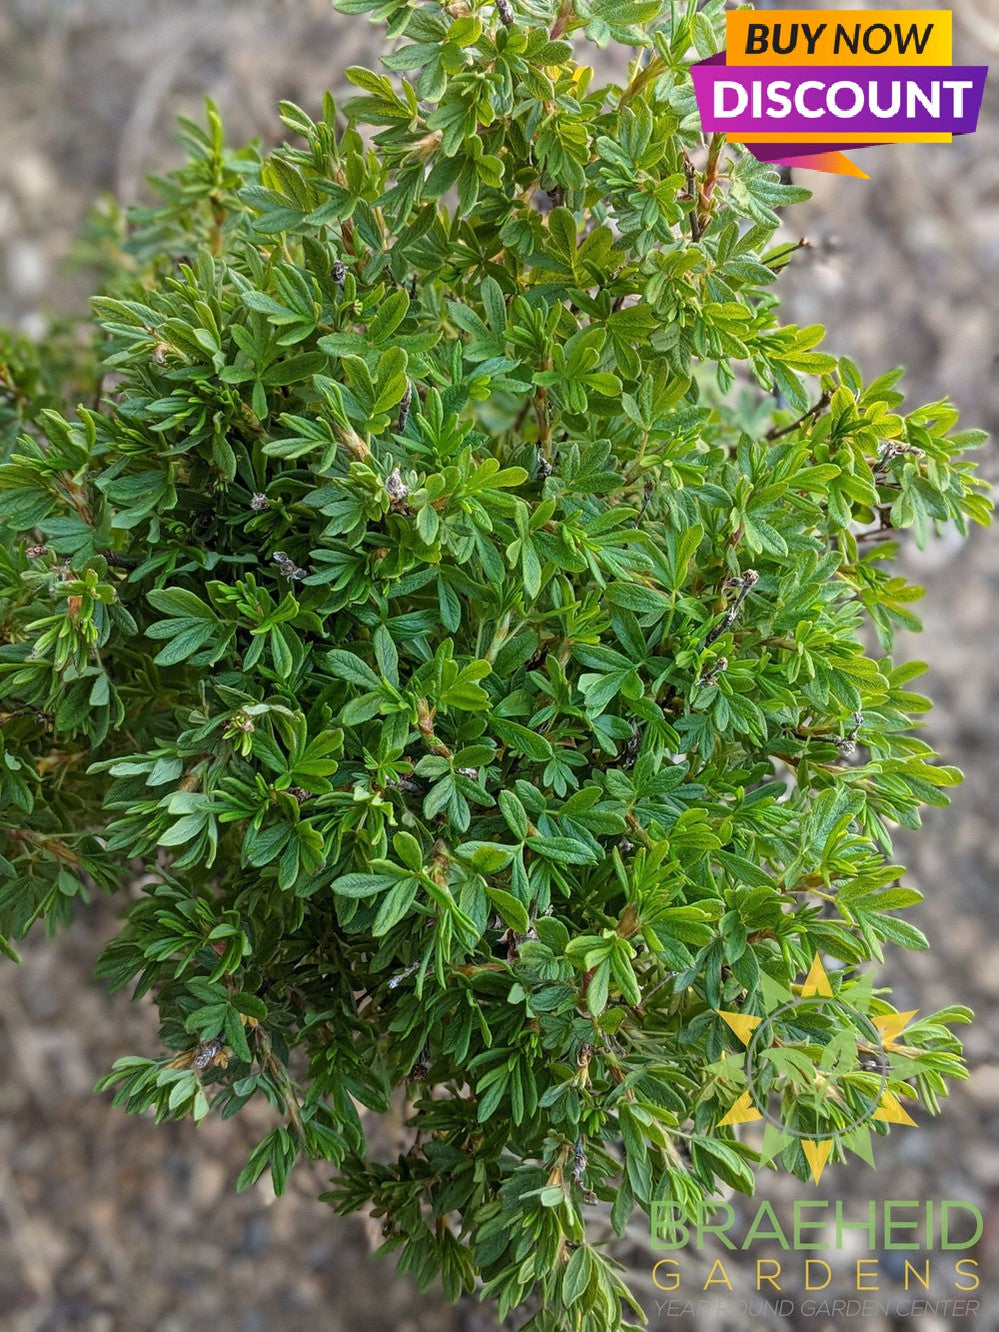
x=460, y=603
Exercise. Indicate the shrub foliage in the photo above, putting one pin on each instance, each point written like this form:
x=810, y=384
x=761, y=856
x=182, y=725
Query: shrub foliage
x=456, y=603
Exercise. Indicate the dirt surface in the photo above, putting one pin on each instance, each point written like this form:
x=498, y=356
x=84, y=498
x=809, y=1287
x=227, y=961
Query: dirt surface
x=110, y=1223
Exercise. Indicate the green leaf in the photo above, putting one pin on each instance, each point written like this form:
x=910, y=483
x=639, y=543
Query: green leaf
x=635, y=597
x=408, y=849
x=523, y=741
x=513, y=912
x=564, y=850
x=180, y=603
x=514, y=814
x=346, y=666
x=361, y=885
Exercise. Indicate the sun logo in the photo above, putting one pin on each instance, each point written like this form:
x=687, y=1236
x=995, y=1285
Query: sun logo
x=818, y=1069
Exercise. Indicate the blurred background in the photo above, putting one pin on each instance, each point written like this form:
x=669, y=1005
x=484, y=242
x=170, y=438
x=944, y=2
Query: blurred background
x=111, y=1223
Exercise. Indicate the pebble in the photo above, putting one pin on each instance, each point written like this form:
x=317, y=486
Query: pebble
x=27, y=269
x=31, y=178
x=987, y=1166
x=985, y=970
x=8, y=216
x=33, y=325
x=983, y=1085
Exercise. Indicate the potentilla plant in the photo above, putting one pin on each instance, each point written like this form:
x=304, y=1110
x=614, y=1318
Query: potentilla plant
x=456, y=604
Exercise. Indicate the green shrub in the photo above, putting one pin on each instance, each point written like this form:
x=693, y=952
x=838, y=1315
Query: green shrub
x=456, y=606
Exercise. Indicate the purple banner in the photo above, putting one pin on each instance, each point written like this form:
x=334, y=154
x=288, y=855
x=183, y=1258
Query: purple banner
x=837, y=100
x=781, y=152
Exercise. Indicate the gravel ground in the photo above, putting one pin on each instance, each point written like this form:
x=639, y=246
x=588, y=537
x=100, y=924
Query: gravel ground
x=109, y=1223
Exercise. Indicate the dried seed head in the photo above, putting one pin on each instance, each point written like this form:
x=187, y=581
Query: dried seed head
x=629, y=751
x=300, y=794
x=398, y=979
x=422, y=1066
x=33, y=552
x=428, y=144
x=407, y=398
x=848, y=745
x=259, y=502
x=711, y=677
x=210, y=1054
x=287, y=567
x=395, y=487
x=339, y=272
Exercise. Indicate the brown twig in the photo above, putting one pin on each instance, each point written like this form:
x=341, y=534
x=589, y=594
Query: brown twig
x=712, y=174
x=563, y=18
x=748, y=581
x=778, y=432
x=642, y=79
x=783, y=257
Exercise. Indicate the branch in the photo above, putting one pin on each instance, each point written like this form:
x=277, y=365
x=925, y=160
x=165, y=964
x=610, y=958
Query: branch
x=748, y=582
x=778, y=432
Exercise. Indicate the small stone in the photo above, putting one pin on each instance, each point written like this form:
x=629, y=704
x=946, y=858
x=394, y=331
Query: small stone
x=8, y=216
x=27, y=269
x=983, y=1085
x=986, y=971
x=34, y=326
x=31, y=178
